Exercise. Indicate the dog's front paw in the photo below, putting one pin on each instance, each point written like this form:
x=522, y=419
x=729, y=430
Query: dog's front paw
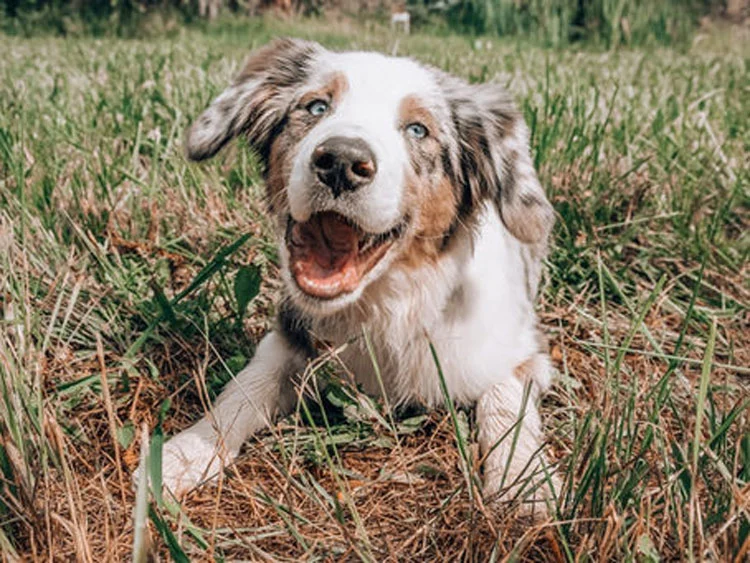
x=190, y=458
x=534, y=495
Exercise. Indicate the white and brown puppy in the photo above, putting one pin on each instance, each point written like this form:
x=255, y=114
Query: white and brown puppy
x=408, y=208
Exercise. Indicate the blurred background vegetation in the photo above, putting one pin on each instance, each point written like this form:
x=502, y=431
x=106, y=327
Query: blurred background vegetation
x=548, y=22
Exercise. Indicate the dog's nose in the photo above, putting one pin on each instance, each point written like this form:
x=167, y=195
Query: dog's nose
x=344, y=164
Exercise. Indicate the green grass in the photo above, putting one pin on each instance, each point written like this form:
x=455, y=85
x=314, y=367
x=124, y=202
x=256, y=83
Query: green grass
x=107, y=233
x=606, y=22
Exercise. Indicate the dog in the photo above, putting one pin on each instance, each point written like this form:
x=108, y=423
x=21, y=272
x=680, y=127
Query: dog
x=407, y=208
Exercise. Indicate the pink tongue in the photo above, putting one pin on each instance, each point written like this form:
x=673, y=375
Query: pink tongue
x=324, y=254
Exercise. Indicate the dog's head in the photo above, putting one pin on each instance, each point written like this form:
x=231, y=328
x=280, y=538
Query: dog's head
x=372, y=162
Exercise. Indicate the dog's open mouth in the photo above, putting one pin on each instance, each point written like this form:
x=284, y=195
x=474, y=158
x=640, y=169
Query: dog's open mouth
x=329, y=255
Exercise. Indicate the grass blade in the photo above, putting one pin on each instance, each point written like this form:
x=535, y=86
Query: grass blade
x=698, y=432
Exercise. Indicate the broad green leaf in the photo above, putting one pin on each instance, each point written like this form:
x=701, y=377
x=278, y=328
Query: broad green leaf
x=246, y=286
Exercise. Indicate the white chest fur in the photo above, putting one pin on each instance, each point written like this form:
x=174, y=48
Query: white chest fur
x=473, y=305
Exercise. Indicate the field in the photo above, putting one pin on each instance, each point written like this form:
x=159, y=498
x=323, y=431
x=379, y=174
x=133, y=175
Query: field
x=133, y=285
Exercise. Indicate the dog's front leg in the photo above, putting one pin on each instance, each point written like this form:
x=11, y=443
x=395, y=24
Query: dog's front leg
x=510, y=437
x=248, y=403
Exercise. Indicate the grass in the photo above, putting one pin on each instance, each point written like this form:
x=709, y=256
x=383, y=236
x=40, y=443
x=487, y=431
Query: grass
x=133, y=285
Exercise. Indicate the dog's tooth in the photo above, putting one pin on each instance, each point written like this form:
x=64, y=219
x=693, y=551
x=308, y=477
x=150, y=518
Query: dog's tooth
x=367, y=243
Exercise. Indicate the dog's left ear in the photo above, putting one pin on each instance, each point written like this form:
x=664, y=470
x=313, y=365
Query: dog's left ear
x=256, y=103
x=494, y=161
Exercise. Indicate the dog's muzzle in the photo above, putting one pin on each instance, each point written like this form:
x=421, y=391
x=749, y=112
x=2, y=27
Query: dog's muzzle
x=329, y=255
x=343, y=164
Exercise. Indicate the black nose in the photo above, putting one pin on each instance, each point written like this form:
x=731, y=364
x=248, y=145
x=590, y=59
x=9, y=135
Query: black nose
x=344, y=164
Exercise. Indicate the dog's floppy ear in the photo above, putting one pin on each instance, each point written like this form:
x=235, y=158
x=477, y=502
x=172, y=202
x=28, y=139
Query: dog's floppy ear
x=494, y=160
x=257, y=101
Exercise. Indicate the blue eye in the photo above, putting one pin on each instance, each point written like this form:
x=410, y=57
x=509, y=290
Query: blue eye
x=317, y=107
x=416, y=130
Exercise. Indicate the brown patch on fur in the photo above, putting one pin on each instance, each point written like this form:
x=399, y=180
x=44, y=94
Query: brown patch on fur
x=284, y=147
x=430, y=190
x=413, y=110
x=437, y=206
x=261, y=59
x=333, y=90
x=258, y=60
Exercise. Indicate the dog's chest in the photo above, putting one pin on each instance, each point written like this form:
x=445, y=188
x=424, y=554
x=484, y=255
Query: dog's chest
x=473, y=310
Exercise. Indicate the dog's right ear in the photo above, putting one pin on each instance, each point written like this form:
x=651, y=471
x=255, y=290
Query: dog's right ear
x=257, y=101
x=494, y=160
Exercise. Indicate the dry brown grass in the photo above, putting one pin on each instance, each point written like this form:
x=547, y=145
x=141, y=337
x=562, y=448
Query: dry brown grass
x=411, y=501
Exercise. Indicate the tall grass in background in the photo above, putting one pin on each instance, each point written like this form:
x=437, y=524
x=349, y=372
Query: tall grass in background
x=558, y=22
x=549, y=22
